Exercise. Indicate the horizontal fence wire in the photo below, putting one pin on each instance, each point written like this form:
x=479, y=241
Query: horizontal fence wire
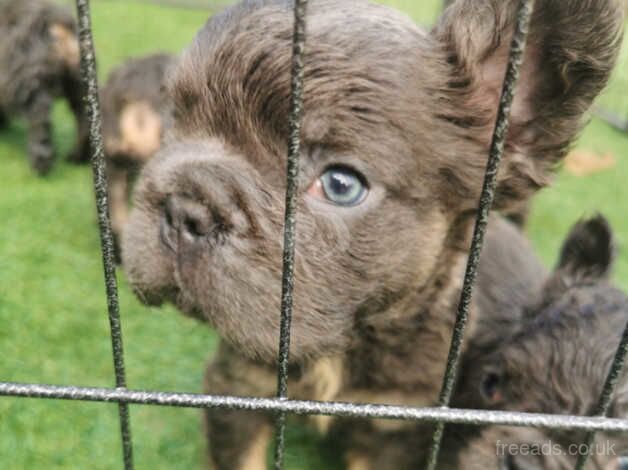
x=305, y=407
x=292, y=181
x=90, y=83
x=604, y=404
x=524, y=14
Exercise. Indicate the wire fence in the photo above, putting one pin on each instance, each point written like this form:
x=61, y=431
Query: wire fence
x=282, y=405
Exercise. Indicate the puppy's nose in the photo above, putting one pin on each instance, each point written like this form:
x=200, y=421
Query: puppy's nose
x=185, y=222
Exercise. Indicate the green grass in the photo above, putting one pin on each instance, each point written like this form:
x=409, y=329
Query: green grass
x=53, y=323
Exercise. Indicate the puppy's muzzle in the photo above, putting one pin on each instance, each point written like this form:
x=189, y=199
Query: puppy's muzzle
x=187, y=223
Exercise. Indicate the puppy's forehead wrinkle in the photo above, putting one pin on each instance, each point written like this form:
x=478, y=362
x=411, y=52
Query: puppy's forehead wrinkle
x=354, y=88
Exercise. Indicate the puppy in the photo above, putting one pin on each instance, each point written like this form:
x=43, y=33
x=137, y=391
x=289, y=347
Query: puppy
x=135, y=112
x=39, y=61
x=558, y=361
x=396, y=133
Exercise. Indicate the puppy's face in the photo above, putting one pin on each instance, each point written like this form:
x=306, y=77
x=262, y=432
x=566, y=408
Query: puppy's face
x=394, y=141
x=211, y=205
x=65, y=44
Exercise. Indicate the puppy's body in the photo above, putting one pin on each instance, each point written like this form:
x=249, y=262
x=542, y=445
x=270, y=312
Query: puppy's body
x=39, y=61
x=395, y=134
x=136, y=110
x=556, y=362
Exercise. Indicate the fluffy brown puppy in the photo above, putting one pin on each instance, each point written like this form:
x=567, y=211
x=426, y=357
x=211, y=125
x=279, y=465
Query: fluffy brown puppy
x=396, y=133
x=557, y=363
x=135, y=109
x=39, y=61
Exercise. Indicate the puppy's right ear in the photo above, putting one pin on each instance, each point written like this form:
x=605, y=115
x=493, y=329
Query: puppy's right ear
x=589, y=249
x=572, y=48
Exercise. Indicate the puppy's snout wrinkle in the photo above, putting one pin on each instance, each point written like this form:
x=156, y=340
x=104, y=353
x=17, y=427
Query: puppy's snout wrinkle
x=185, y=222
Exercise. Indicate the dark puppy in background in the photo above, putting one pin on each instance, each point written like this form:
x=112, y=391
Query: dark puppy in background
x=396, y=133
x=557, y=362
x=39, y=61
x=136, y=110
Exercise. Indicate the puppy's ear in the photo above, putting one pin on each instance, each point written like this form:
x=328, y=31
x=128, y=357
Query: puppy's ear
x=572, y=48
x=589, y=249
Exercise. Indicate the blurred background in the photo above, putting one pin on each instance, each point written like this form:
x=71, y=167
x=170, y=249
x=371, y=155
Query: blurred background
x=53, y=321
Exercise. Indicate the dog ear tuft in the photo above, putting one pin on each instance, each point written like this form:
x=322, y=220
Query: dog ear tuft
x=589, y=249
x=571, y=50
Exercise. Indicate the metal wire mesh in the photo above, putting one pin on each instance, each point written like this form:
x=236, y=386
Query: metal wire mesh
x=303, y=407
x=287, y=284
x=90, y=82
x=282, y=405
x=515, y=59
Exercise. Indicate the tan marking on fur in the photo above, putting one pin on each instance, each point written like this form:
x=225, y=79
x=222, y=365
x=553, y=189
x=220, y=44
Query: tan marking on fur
x=255, y=457
x=356, y=461
x=118, y=200
x=66, y=45
x=112, y=145
x=325, y=378
x=584, y=162
x=140, y=130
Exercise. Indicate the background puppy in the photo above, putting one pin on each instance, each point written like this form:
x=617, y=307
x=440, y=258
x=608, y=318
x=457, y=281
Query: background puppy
x=39, y=61
x=396, y=132
x=558, y=361
x=135, y=110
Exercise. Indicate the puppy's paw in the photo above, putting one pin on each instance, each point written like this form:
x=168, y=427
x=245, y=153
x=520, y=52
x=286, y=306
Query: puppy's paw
x=41, y=158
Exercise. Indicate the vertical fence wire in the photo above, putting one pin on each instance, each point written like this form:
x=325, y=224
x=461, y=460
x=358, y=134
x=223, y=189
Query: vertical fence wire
x=90, y=83
x=287, y=284
x=517, y=48
x=603, y=406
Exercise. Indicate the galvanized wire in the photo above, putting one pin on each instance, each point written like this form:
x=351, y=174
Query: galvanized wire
x=305, y=407
x=524, y=14
x=292, y=181
x=90, y=82
x=604, y=404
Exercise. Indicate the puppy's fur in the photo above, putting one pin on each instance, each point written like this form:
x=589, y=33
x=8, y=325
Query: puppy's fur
x=376, y=284
x=39, y=61
x=558, y=360
x=135, y=110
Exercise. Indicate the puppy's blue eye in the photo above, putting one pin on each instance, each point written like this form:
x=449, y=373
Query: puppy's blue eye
x=343, y=186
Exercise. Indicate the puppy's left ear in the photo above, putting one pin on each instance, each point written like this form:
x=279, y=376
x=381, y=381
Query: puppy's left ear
x=571, y=50
x=589, y=249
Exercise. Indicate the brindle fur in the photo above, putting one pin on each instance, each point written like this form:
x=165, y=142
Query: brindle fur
x=376, y=286
x=138, y=86
x=39, y=61
x=556, y=361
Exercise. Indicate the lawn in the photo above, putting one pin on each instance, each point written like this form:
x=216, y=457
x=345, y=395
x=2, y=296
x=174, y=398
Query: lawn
x=54, y=327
